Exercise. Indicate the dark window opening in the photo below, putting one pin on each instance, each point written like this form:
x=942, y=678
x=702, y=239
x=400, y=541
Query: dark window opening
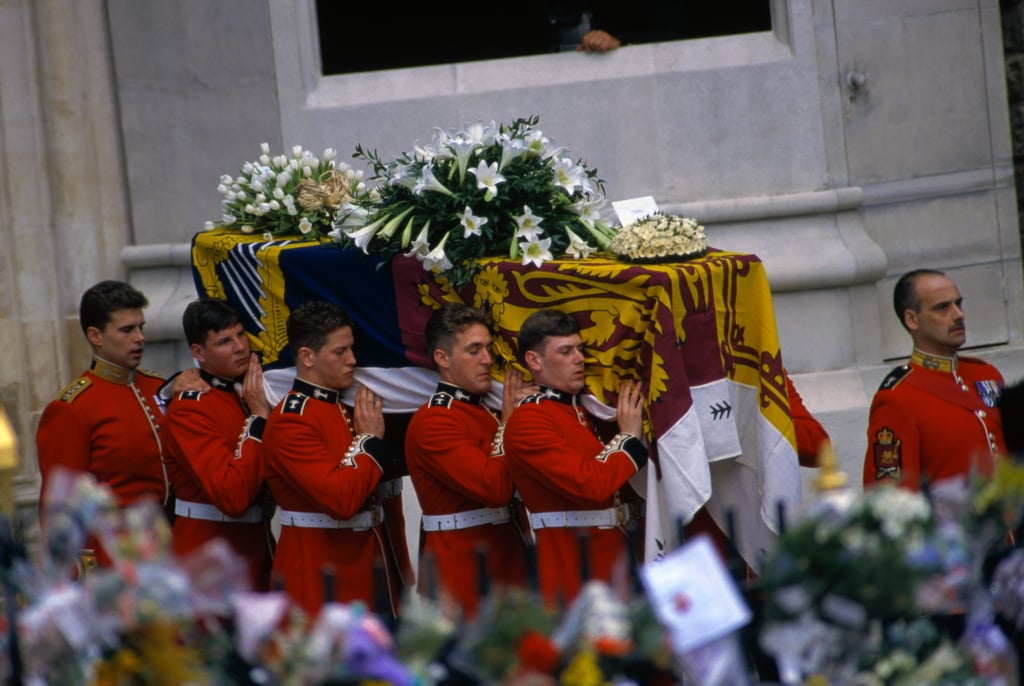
x=358, y=38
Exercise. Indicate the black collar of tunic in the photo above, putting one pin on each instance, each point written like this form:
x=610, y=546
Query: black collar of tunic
x=218, y=382
x=316, y=392
x=559, y=396
x=458, y=393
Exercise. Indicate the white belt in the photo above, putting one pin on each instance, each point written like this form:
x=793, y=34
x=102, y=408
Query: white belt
x=467, y=519
x=184, y=508
x=367, y=519
x=613, y=516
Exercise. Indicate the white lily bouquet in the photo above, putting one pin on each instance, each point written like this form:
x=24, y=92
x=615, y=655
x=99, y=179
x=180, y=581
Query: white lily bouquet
x=486, y=190
x=660, y=237
x=297, y=194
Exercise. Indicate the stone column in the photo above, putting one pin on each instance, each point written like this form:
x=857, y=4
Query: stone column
x=63, y=206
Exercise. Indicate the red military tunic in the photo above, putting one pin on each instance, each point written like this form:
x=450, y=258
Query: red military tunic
x=810, y=434
x=448, y=451
x=563, y=471
x=215, y=466
x=934, y=418
x=106, y=423
x=317, y=472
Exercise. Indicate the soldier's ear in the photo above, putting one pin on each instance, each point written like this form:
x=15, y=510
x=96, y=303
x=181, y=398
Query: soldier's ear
x=305, y=357
x=910, y=319
x=197, y=353
x=440, y=359
x=532, y=359
x=94, y=335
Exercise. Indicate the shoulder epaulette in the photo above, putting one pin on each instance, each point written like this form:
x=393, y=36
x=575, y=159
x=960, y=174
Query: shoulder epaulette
x=893, y=378
x=442, y=399
x=294, y=403
x=74, y=389
x=149, y=372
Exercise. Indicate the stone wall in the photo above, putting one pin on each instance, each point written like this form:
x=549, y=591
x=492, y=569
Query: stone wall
x=1013, y=47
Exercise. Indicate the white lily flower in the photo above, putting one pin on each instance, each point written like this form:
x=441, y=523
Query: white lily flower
x=267, y=236
x=226, y=179
x=429, y=182
x=420, y=248
x=511, y=148
x=590, y=210
x=436, y=260
x=463, y=149
x=536, y=251
x=568, y=174
x=305, y=226
x=330, y=154
x=471, y=223
x=297, y=150
x=247, y=229
x=529, y=224
x=222, y=189
x=265, y=148
x=578, y=248
x=247, y=168
x=536, y=141
x=362, y=236
x=209, y=226
x=487, y=177
x=278, y=193
x=480, y=133
x=280, y=161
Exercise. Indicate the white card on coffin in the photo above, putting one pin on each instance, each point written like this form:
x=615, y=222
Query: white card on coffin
x=694, y=596
x=628, y=211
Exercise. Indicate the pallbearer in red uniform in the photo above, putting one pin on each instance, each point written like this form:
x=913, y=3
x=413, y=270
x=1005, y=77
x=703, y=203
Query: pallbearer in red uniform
x=569, y=480
x=936, y=417
x=323, y=464
x=214, y=450
x=107, y=421
x=461, y=477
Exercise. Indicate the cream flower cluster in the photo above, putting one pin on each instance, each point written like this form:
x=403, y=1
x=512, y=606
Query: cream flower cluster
x=297, y=194
x=660, y=236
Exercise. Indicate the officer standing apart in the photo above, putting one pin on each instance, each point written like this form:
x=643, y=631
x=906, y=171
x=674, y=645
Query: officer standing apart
x=569, y=480
x=462, y=480
x=214, y=444
x=936, y=417
x=107, y=421
x=323, y=464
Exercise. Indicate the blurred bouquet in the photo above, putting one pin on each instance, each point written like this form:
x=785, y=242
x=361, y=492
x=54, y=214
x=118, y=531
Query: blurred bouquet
x=284, y=195
x=486, y=190
x=839, y=581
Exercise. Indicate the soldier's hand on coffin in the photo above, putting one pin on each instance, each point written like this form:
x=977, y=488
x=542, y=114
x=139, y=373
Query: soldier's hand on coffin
x=368, y=413
x=630, y=415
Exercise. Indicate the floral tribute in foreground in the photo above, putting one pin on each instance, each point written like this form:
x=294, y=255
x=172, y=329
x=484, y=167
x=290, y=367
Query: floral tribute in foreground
x=298, y=194
x=486, y=190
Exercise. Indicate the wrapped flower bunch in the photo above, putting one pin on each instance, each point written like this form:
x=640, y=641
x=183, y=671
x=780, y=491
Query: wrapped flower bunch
x=283, y=195
x=485, y=190
x=660, y=237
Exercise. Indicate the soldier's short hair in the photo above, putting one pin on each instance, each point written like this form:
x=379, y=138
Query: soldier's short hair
x=312, y=322
x=450, y=320
x=205, y=315
x=543, y=324
x=101, y=300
